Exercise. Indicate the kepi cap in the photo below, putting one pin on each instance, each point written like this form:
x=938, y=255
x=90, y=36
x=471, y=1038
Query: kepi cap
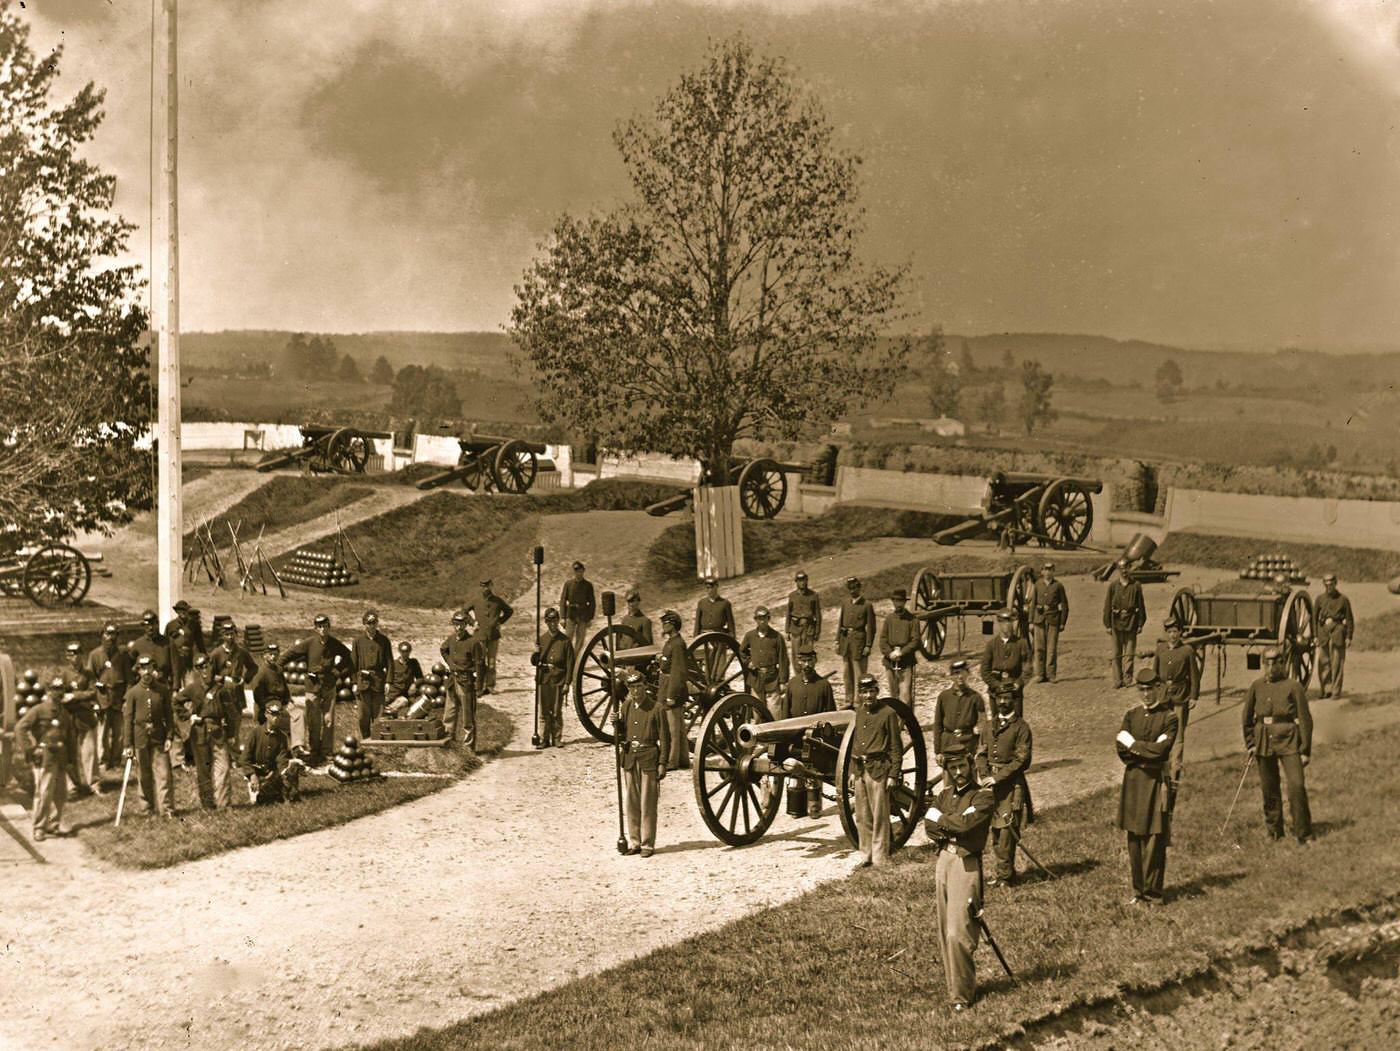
x=958, y=665
x=144, y=661
x=370, y=617
x=868, y=682
x=578, y=565
x=900, y=594
x=321, y=619
x=149, y=617
x=807, y=651
x=73, y=647
x=762, y=611
x=1145, y=678
x=182, y=606
x=549, y=614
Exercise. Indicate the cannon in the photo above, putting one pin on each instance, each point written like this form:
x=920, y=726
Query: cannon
x=763, y=489
x=743, y=756
x=713, y=670
x=327, y=450
x=48, y=575
x=1137, y=556
x=935, y=598
x=491, y=464
x=1018, y=508
x=1281, y=614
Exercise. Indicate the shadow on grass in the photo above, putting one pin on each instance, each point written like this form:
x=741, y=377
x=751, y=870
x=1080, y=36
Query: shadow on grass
x=1029, y=874
x=1330, y=827
x=1052, y=764
x=1198, y=887
x=997, y=982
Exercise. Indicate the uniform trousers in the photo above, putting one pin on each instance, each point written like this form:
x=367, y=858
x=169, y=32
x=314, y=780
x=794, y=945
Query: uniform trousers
x=643, y=788
x=89, y=747
x=854, y=664
x=1298, y=809
x=1046, y=638
x=958, y=880
x=1004, y=850
x=901, y=681
x=577, y=630
x=459, y=713
x=156, y=780
x=111, y=720
x=552, y=712
x=679, y=759
x=488, y=673
x=763, y=683
x=1178, y=753
x=50, y=793
x=802, y=636
x=1331, y=662
x=1124, y=656
x=1147, y=860
x=211, y=770
x=873, y=817
x=369, y=702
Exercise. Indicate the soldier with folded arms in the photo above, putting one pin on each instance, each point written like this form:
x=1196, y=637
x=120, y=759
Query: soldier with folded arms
x=553, y=658
x=1335, y=626
x=1144, y=804
x=643, y=739
x=491, y=612
x=765, y=658
x=877, y=753
x=1124, y=614
x=1278, y=733
x=803, y=624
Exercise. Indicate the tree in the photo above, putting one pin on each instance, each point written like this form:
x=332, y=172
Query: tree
x=426, y=392
x=350, y=370
x=991, y=406
x=322, y=358
x=726, y=300
x=1169, y=381
x=944, y=383
x=382, y=373
x=1008, y=361
x=75, y=390
x=1035, y=409
x=967, y=368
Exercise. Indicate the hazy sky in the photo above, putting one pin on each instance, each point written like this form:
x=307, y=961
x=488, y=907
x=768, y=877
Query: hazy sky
x=1202, y=173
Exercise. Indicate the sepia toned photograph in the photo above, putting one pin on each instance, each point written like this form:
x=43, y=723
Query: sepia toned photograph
x=699, y=524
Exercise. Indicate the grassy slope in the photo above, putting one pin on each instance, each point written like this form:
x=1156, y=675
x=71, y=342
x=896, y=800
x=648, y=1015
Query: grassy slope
x=1378, y=633
x=821, y=972
x=1232, y=552
x=286, y=500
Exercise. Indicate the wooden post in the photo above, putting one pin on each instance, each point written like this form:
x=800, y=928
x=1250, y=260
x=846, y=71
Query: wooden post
x=719, y=532
x=165, y=305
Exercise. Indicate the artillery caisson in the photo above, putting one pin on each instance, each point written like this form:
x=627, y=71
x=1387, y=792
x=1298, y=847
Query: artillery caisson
x=763, y=489
x=49, y=574
x=1019, y=508
x=938, y=597
x=1280, y=615
x=743, y=756
x=488, y=463
x=327, y=450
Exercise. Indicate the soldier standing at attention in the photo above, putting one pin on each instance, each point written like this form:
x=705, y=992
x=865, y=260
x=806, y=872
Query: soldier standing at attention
x=153, y=644
x=578, y=606
x=148, y=721
x=713, y=612
x=1335, y=625
x=1006, y=656
x=325, y=657
x=644, y=737
x=1048, y=618
x=370, y=656
x=1009, y=757
x=1124, y=614
x=855, y=634
x=46, y=737
x=957, y=823
x=213, y=724
x=900, y=645
x=1174, y=667
x=803, y=624
x=80, y=698
x=876, y=755
x=186, y=639
x=491, y=611
x=1144, y=742
x=765, y=658
x=1278, y=733
x=403, y=673
x=957, y=712
x=673, y=688
x=462, y=654
x=807, y=694
x=553, y=658
x=635, y=619
x=230, y=660
x=111, y=671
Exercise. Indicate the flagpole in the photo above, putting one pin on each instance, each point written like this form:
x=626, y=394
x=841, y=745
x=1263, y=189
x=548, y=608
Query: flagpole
x=165, y=305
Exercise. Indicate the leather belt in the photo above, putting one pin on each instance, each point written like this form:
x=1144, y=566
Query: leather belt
x=1270, y=720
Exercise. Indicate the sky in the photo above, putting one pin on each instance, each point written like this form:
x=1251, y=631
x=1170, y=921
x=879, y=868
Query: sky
x=1206, y=174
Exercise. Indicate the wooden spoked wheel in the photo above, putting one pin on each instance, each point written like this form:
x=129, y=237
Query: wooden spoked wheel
x=1065, y=514
x=597, y=687
x=56, y=574
x=734, y=801
x=926, y=593
x=347, y=451
x=1296, y=635
x=1020, y=598
x=1183, y=611
x=906, y=797
x=763, y=488
x=514, y=467
x=714, y=670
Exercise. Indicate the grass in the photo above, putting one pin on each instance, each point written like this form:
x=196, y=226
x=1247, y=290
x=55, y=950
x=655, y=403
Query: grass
x=1233, y=552
x=1378, y=633
x=821, y=971
x=286, y=500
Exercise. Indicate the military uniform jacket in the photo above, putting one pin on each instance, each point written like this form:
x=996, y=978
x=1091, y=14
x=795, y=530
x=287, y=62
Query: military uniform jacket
x=577, y=601
x=320, y=655
x=158, y=649
x=83, y=707
x=672, y=687
x=463, y=656
x=900, y=631
x=956, y=713
x=1332, y=618
x=964, y=818
x=111, y=670
x=217, y=716
x=804, y=607
x=855, y=632
x=643, y=734
x=268, y=750
x=1123, y=607
x=403, y=674
x=373, y=654
x=149, y=717
x=714, y=615
x=877, y=740
x=48, y=728
x=238, y=662
x=1176, y=667
x=1276, y=718
x=807, y=697
x=1143, y=801
x=1009, y=757
x=766, y=651
x=185, y=638
x=1051, y=604
x=556, y=658
x=269, y=684
x=641, y=624
x=491, y=612
x=1010, y=655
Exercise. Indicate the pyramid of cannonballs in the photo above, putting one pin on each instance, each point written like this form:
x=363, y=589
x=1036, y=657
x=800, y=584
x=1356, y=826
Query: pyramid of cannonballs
x=428, y=695
x=296, y=677
x=1267, y=567
x=317, y=569
x=29, y=691
x=352, y=764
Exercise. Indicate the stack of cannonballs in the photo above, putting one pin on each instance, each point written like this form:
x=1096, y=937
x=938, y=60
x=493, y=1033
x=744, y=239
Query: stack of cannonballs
x=428, y=694
x=296, y=678
x=29, y=691
x=352, y=764
x=1267, y=567
x=316, y=569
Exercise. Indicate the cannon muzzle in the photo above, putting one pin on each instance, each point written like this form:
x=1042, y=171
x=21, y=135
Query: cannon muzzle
x=751, y=734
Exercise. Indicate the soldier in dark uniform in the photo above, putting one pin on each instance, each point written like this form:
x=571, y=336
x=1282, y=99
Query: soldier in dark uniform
x=403, y=674
x=229, y=659
x=1049, y=615
x=326, y=656
x=765, y=658
x=213, y=724
x=900, y=645
x=463, y=655
x=491, y=611
x=673, y=689
x=46, y=737
x=1278, y=733
x=1335, y=625
x=578, y=605
x=80, y=699
x=1009, y=757
x=370, y=656
x=111, y=672
x=269, y=683
x=961, y=719
x=957, y=823
x=149, y=717
x=274, y=771
x=644, y=738
x=186, y=639
x=877, y=753
x=807, y=694
x=855, y=635
x=803, y=624
x=1007, y=656
x=553, y=657
x=153, y=644
x=713, y=612
x=638, y=621
x=1174, y=666
x=1124, y=614
x=1144, y=805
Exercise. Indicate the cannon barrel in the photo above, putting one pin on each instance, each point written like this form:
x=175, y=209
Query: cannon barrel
x=481, y=442
x=751, y=734
x=1021, y=480
x=665, y=507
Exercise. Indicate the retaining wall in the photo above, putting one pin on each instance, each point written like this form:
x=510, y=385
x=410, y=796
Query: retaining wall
x=1349, y=523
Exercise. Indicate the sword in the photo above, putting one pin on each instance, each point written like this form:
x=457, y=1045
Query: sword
x=121, y=799
x=1247, y=763
x=975, y=914
x=1016, y=835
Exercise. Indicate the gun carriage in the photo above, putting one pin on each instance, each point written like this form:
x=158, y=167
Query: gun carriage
x=936, y=598
x=1018, y=508
x=489, y=463
x=49, y=574
x=763, y=488
x=1281, y=614
x=327, y=450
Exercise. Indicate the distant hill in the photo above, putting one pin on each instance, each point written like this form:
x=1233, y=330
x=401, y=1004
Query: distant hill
x=484, y=352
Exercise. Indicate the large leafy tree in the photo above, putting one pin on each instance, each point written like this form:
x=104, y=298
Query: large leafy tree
x=726, y=300
x=74, y=371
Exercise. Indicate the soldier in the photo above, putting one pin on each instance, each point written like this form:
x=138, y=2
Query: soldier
x=876, y=755
x=553, y=659
x=403, y=673
x=1278, y=733
x=147, y=725
x=644, y=738
x=803, y=624
x=1049, y=616
x=325, y=657
x=273, y=769
x=577, y=605
x=1124, y=614
x=635, y=619
x=1009, y=757
x=807, y=694
x=111, y=671
x=1007, y=656
x=186, y=639
x=900, y=645
x=80, y=698
x=231, y=658
x=491, y=611
x=1144, y=805
x=269, y=683
x=673, y=688
x=1335, y=625
x=959, y=713
x=957, y=823
x=462, y=653
x=1179, y=677
x=151, y=643
x=213, y=723
x=713, y=612
x=855, y=634
x=46, y=737
x=370, y=656
x=765, y=658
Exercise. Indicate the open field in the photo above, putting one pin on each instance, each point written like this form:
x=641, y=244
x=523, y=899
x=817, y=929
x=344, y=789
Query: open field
x=1378, y=633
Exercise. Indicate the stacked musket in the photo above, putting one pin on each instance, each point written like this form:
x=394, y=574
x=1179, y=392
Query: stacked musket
x=352, y=764
x=1268, y=567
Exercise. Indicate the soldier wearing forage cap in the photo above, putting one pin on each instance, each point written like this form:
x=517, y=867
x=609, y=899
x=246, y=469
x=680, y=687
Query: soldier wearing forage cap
x=959, y=713
x=1179, y=676
x=1124, y=614
x=803, y=624
x=673, y=689
x=463, y=655
x=637, y=621
x=147, y=725
x=578, y=605
x=1008, y=759
x=713, y=612
x=269, y=683
x=273, y=768
x=1278, y=733
x=1144, y=804
x=80, y=699
x=186, y=639
x=153, y=644
x=1007, y=656
x=644, y=739
x=1049, y=615
x=807, y=693
x=900, y=645
x=370, y=656
x=1335, y=625
x=765, y=658
x=554, y=659
x=326, y=657
x=877, y=753
x=855, y=635
x=491, y=611
x=213, y=729
x=46, y=736
x=110, y=669
x=403, y=674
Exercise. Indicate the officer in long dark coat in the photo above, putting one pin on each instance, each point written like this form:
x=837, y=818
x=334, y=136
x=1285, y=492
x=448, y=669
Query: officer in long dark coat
x=1278, y=733
x=1008, y=759
x=803, y=623
x=1124, y=614
x=1144, y=805
x=644, y=739
x=673, y=688
x=1335, y=624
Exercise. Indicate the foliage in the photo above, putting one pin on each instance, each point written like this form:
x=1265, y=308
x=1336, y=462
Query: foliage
x=942, y=376
x=991, y=407
x=727, y=299
x=425, y=392
x=1169, y=380
x=382, y=372
x=1035, y=409
x=967, y=368
x=309, y=359
x=74, y=382
x=349, y=371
